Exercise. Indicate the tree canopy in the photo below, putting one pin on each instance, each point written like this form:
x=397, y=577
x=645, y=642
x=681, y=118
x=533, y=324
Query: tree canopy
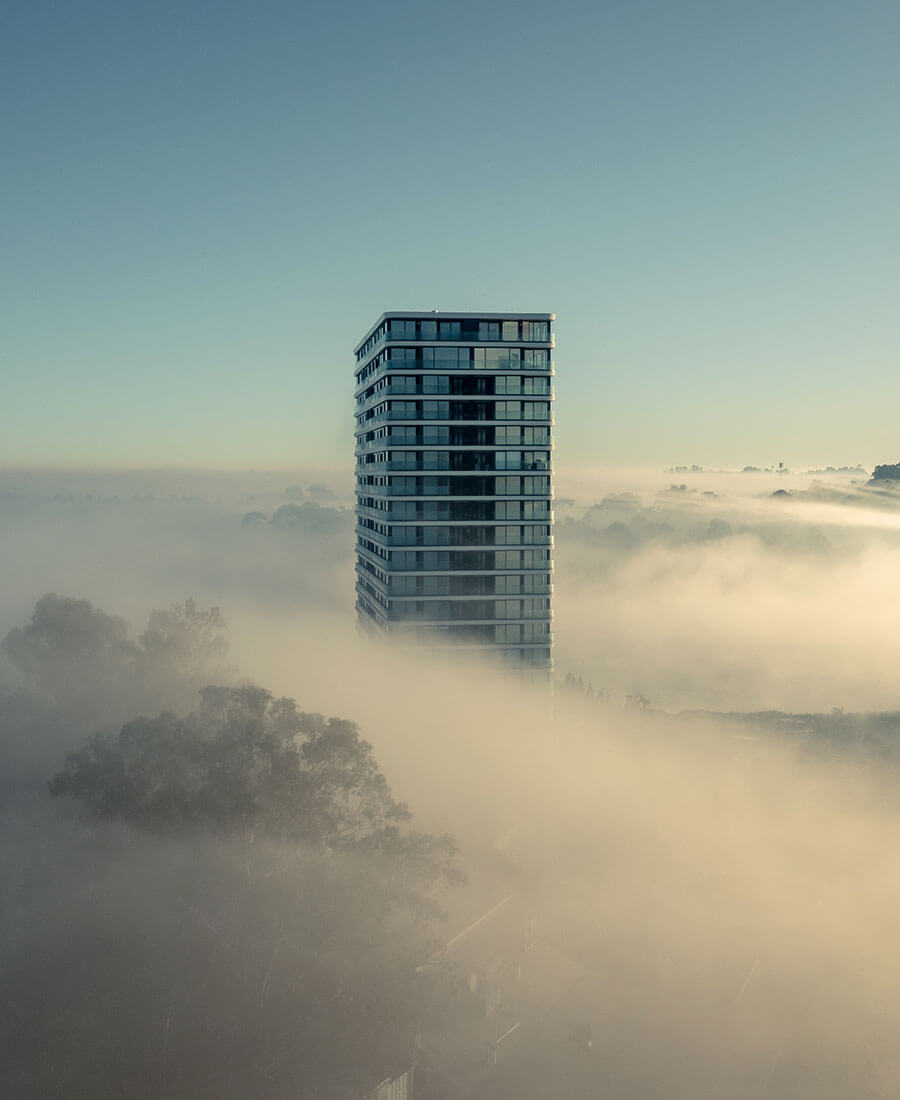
x=77, y=657
x=246, y=762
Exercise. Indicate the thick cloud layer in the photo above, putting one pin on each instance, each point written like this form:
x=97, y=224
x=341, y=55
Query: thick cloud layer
x=716, y=894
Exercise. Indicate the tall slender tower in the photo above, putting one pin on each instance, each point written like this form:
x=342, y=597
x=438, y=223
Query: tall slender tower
x=453, y=482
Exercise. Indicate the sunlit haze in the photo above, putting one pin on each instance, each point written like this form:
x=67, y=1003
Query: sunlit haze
x=643, y=842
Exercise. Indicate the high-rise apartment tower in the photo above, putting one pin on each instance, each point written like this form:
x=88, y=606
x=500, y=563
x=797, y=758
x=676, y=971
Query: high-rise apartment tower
x=453, y=481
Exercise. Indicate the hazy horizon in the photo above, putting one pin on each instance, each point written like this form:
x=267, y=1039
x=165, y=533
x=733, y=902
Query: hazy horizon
x=716, y=899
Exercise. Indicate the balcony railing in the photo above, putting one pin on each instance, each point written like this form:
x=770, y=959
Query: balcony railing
x=453, y=515
x=419, y=467
x=545, y=370
x=446, y=592
x=458, y=336
x=444, y=415
x=446, y=394
x=475, y=561
x=411, y=614
x=421, y=488
x=455, y=537
x=425, y=446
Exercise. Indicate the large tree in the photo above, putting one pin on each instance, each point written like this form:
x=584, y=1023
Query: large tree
x=244, y=763
x=233, y=905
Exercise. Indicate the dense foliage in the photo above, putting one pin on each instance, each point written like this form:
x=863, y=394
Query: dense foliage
x=246, y=763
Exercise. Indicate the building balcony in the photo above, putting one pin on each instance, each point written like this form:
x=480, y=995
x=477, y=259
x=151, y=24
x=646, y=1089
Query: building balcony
x=391, y=416
x=460, y=615
x=463, y=535
x=420, y=467
x=537, y=592
x=461, y=367
x=456, y=512
x=424, y=447
x=453, y=560
x=461, y=588
x=453, y=492
x=425, y=380
x=452, y=337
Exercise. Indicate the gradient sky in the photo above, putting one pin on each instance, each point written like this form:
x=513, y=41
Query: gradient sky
x=206, y=204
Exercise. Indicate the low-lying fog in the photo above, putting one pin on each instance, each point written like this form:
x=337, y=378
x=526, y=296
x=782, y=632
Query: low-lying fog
x=712, y=895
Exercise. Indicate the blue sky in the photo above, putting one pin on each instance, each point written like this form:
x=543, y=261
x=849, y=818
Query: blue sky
x=205, y=205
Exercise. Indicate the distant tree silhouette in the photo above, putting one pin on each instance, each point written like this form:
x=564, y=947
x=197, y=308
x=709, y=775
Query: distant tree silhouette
x=81, y=660
x=246, y=762
x=309, y=516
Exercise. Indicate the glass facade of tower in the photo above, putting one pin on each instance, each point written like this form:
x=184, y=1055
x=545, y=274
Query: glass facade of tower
x=453, y=481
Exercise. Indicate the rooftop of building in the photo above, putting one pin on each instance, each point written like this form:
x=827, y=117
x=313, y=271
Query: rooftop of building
x=449, y=315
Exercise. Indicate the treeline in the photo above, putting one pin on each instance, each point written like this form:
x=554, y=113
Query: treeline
x=308, y=516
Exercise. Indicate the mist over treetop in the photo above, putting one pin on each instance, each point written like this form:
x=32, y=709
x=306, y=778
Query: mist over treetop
x=700, y=880
x=241, y=876
x=245, y=761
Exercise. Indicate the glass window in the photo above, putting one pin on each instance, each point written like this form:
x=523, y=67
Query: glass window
x=536, y=359
x=536, y=330
x=433, y=435
x=428, y=330
x=446, y=358
x=488, y=330
x=449, y=330
x=537, y=386
x=510, y=330
x=434, y=486
x=535, y=460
